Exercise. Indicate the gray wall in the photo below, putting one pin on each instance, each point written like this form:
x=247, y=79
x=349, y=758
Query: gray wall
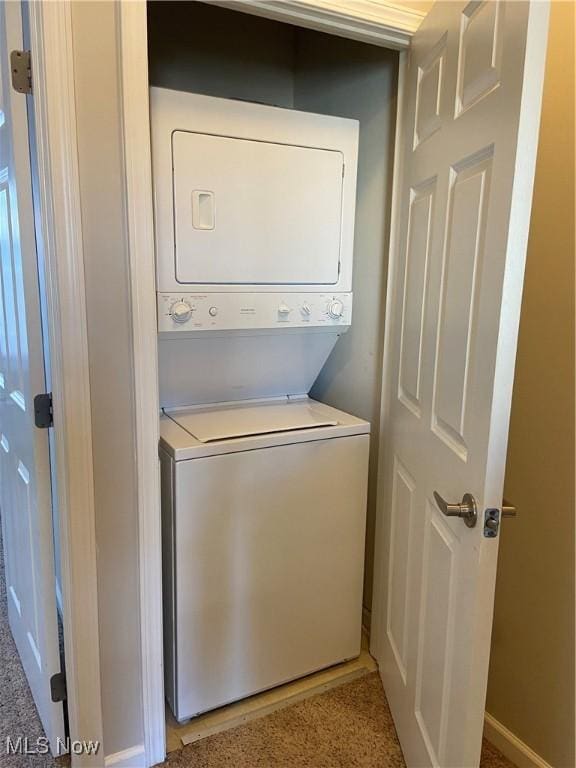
x=111, y=376
x=343, y=77
x=202, y=49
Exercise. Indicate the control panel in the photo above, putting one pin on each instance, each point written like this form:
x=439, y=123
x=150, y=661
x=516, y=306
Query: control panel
x=237, y=311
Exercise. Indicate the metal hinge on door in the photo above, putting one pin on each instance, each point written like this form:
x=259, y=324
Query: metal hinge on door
x=21, y=66
x=58, y=687
x=43, y=414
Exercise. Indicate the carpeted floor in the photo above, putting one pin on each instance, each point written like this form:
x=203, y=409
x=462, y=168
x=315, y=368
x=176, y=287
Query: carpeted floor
x=347, y=727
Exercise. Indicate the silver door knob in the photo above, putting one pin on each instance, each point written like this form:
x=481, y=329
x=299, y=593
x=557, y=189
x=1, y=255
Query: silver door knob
x=465, y=510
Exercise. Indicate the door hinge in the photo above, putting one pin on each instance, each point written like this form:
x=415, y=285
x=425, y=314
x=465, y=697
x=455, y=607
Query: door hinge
x=20, y=63
x=58, y=687
x=43, y=414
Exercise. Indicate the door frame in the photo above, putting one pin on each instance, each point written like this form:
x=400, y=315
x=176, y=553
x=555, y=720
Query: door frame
x=134, y=109
x=61, y=226
x=390, y=27
x=381, y=542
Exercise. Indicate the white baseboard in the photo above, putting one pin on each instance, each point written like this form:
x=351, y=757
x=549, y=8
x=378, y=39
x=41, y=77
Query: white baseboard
x=511, y=746
x=134, y=757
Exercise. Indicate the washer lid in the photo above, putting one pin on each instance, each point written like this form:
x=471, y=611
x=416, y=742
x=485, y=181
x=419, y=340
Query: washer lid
x=210, y=425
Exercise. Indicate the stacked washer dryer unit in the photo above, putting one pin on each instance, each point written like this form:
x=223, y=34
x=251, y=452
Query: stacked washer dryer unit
x=263, y=488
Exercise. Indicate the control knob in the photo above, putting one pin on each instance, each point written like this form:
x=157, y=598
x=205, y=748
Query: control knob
x=181, y=311
x=335, y=309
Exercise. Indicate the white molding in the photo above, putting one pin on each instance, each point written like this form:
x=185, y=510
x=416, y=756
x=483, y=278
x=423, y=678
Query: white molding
x=139, y=211
x=381, y=540
x=127, y=758
x=511, y=746
x=59, y=192
x=390, y=25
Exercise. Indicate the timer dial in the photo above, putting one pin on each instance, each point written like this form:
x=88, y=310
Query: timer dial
x=335, y=309
x=180, y=311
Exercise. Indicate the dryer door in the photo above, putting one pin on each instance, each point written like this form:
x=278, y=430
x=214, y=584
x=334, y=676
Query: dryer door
x=255, y=212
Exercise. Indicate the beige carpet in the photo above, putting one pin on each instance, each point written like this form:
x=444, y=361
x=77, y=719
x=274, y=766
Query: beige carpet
x=347, y=727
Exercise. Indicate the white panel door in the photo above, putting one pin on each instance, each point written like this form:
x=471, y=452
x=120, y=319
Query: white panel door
x=469, y=130
x=255, y=212
x=24, y=453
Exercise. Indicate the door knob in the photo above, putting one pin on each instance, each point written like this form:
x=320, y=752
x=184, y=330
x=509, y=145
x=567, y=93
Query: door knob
x=466, y=509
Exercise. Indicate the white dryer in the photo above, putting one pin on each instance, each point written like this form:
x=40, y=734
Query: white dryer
x=251, y=198
x=254, y=227
x=263, y=531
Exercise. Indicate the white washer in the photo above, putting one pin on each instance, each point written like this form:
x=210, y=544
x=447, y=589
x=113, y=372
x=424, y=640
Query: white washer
x=263, y=530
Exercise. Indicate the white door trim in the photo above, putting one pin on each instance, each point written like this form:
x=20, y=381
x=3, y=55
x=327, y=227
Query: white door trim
x=133, y=62
x=389, y=25
x=59, y=190
x=378, y=626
